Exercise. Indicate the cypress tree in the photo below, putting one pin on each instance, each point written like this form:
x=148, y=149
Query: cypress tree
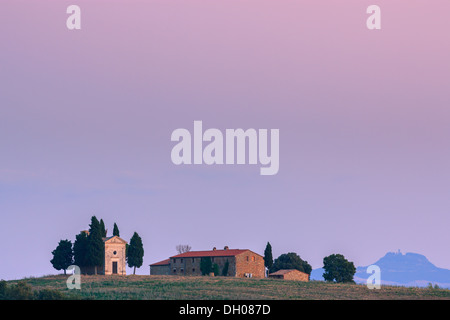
x=206, y=266
x=80, y=249
x=225, y=269
x=268, y=258
x=62, y=255
x=95, y=245
x=116, y=230
x=102, y=228
x=135, y=252
x=216, y=269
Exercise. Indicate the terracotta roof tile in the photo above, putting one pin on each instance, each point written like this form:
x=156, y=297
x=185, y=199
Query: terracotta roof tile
x=205, y=253
x=211, y=253
x=161, y=263
x=284, y=271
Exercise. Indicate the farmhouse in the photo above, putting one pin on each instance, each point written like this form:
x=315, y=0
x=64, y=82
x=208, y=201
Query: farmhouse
x=241, y=263
x=290, y=274
x=115, y=257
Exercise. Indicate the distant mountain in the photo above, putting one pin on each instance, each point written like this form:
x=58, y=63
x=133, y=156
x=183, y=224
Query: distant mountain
x=410, y=269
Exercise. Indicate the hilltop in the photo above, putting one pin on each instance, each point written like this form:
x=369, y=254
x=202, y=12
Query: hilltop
x=137, y=287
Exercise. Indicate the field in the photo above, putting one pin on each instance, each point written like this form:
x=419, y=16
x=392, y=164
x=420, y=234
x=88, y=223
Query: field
x=138, y=287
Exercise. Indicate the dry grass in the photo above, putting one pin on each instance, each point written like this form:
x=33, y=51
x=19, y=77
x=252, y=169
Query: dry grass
x=225, y=288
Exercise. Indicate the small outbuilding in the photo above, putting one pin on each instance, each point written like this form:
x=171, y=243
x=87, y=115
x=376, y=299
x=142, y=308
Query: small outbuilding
x=290, y=274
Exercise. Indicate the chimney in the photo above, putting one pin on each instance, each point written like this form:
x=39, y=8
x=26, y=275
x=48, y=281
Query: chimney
x=214, y=249
x=225, y=248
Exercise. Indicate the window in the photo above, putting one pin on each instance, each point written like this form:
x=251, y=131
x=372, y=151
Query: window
x=253, y=258
x=181, y=270
x=115, y=252
x=174, y=260
x=181, y=261
x=193, y=269
x=247, y=258
x=193, y=260
x=174, y=270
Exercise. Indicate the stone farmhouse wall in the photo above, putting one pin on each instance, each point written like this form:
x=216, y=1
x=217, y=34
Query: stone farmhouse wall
x=249, y=263
x=246, y=264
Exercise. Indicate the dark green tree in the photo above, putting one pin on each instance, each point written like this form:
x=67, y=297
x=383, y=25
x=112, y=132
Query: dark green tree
x=3, y=290
x=95, y=253
x=103, y=228
x=135, y=252
x=62, y=255
x=268, y=258
x=80, y=249
x=338, y=269
x=206, y=265
x=216, y=269
x=291, y=260
x=225, y=269
x=116, y=230
x=18, y=291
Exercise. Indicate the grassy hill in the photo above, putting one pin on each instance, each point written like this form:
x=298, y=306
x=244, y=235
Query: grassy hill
x=223, y=288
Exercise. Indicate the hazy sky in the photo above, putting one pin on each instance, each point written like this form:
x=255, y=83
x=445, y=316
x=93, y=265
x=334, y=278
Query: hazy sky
x=364, y=117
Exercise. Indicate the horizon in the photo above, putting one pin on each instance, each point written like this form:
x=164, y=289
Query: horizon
x=86, y=118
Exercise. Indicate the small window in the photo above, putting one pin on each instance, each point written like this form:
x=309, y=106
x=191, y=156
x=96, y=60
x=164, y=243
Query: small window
x=115, y=252
x=193, y=260
x=253, y=258
x=174, y=260
x=174, y=270
x=193, y=269
x=181, y=261
x=247, y=258
x=181, y=270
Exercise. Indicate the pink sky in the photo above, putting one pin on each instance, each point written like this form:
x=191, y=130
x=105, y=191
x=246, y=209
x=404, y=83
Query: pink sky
x=86, y=118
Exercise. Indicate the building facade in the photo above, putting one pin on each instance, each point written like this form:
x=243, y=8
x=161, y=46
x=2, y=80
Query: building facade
x=161, y=268
x=241, y=263
x=115, y=255
x=115, y=258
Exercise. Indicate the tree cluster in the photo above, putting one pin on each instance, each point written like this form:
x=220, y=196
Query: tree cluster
x=207, y=267
x=88, y=250
x=336, y=267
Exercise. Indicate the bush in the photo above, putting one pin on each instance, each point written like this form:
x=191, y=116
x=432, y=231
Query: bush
x=20, y=291
x=3, y=288
x=435, y=287
x=23, y=291
x=49, y=294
